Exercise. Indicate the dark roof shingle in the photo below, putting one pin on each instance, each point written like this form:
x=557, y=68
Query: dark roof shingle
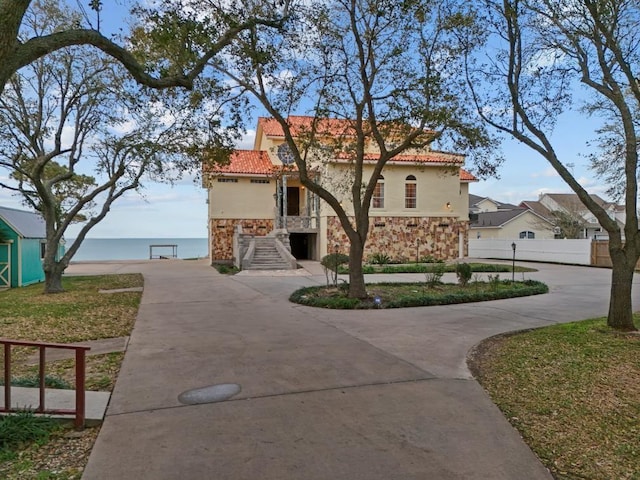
x=496, y=219
x=26, y=224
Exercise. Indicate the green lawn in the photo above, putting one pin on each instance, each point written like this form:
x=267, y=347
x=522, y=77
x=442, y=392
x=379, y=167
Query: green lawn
x=79, y=314
x=573, y=392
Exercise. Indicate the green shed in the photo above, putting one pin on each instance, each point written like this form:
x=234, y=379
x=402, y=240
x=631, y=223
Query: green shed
x=22, y=243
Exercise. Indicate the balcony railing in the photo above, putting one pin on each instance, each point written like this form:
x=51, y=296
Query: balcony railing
x=298, y=223
x=80, y=352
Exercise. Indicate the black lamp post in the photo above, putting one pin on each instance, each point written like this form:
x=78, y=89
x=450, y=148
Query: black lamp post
x=513, y=264
x=335, y=256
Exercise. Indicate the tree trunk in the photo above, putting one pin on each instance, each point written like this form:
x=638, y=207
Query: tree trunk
x=53, y=278
x=357, y=288
x=620, y=307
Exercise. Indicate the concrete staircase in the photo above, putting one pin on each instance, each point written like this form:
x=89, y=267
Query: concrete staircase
x=266, y=256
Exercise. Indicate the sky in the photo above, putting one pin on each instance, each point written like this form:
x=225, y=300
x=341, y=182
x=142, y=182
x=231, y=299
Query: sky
x=180, y=210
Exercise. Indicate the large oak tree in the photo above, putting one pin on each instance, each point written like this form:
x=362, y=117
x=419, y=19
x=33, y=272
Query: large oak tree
x=76, y=135
x=549, y=58
x=386, y=70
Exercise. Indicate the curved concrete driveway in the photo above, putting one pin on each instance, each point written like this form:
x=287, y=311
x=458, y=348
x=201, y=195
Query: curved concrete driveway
x=325, y=394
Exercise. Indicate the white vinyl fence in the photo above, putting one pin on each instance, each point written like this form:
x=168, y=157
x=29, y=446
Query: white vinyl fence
x=577, y=252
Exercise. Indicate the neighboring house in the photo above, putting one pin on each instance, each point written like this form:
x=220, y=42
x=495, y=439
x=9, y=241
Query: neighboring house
x=419, y=206
x=516, y=223
x=479, y=204
x=22, y=243
x=570, y=204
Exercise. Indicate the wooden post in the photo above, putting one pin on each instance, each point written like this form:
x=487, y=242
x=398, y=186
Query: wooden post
x=80, y=387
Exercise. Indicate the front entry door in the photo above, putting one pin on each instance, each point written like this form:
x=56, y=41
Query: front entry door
x=293, y=201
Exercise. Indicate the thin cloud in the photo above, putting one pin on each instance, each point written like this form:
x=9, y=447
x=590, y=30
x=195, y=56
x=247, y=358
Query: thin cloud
x=546, y=173
x=247, y=140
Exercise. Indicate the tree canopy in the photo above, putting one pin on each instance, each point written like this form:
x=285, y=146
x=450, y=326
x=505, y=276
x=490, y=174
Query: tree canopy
x=225, y=21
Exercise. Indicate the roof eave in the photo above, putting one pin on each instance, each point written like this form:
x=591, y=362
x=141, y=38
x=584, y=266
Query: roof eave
x=244, y=175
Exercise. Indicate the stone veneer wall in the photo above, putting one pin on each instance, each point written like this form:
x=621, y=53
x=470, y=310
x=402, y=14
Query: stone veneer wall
x=222, y=234
x=397, y=237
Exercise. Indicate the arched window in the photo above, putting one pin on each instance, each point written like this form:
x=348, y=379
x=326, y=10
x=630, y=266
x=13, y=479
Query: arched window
x=410, y=192
x=527, y=234
x=378, y=193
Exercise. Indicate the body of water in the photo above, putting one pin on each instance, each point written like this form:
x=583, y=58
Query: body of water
x=137, y=248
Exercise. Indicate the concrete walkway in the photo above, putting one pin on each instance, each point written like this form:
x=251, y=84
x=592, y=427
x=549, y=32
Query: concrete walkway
x=324, y=394
x=29, y=398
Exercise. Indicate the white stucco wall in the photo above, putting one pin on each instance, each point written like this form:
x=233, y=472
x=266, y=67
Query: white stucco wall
x=576, y=252
x=436, y=186
x=241, y=200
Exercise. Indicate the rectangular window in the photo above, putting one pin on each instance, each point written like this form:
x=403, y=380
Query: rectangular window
x=259, y=180
x=378, y=195
x=410, y=195
x=227, y=180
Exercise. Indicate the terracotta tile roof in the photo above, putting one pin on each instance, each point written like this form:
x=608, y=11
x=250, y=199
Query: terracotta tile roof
x=270, y=127
x=433, y=157
x=466, y=176
x=245, y=162
x=300, y=123
x=255, y=162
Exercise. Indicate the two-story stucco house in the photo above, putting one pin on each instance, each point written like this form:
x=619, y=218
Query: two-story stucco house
x=419, y=207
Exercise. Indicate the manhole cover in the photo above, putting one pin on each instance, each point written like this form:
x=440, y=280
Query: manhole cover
x=211, y=394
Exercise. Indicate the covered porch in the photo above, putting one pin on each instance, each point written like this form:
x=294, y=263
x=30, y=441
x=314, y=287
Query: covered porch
x=298, y=212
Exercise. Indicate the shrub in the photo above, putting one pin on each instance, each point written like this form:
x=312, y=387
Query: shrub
x=330, y=264
x=423, y=268
x=226, y=269
x=415, y=295
x=334, y=259
x=306, y=296
x=464, y=273
x=24, y=427
x=494, y=281
x=49, y=382
x=434, y=274
x=380, y=259
x=410, y=268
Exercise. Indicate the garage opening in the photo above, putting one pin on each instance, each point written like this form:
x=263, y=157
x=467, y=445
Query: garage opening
x=303, y=245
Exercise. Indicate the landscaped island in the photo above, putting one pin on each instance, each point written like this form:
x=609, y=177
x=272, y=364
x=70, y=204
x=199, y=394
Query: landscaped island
x=417, y=294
